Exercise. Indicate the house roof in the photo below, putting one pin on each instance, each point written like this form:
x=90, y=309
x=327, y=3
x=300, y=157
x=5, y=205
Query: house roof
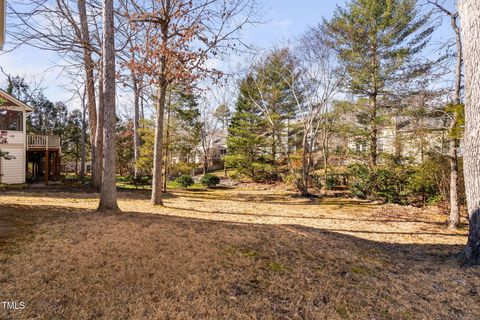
x=15, y=101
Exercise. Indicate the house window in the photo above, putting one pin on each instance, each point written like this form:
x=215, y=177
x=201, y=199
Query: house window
x=89, y=168
x=11, y=120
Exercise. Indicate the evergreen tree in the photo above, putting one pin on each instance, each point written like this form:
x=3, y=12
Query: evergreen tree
x=72, y=138
x=275, y=94
x=379, y=42
x=246, y=141
x=186, y=123
x=47, y=117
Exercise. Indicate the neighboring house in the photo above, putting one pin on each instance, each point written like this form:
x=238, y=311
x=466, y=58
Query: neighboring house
x=408, y=138
x=29, y=151
x=217, y=152
x=74, y=166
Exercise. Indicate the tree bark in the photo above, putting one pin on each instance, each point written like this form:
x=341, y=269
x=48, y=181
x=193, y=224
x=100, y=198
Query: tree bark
x=373, y=131
x=136, y=125
x=157, y=183
x=303, y=186
x=454, y=220
x=167, y=142
x=469, y=12
x=158, y=153
x=90, y=88
x=83, y=151
x=108, y=194
x=98, y=165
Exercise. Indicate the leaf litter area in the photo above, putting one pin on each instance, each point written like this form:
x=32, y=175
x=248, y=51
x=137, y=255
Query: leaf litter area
x=229, y=254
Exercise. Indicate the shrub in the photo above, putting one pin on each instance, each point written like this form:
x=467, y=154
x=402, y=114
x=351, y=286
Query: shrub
x=394, y=182
x=387, y=183
x=265, y=173
x=210, y=180
x=185, y=181
x=430, y=183
x=181, y=168
x=360, y=180
x=332, y=181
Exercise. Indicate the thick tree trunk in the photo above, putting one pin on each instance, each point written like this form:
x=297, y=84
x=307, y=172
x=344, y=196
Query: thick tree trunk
x=108, y=195
x=157, y=183
x=454, y=220
x=90, y=87
x=469, y=13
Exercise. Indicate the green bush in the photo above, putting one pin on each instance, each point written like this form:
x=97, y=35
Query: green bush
x=210, y=180
x=387, y=183
x=265, y=173
x=185, y=181
x=360, y=181
x=394, y=182
x=332, y=181
x=181, y=168
x=430, y=181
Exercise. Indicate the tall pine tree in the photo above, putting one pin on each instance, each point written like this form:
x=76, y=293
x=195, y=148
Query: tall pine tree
x=379, y=41
x=246, y=140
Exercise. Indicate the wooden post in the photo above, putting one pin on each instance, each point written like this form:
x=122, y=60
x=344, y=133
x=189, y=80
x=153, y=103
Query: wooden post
x=59, y=159
x=47, y=166
x=26, y=165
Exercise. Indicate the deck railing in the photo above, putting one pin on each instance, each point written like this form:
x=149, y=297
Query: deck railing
x=36, y=141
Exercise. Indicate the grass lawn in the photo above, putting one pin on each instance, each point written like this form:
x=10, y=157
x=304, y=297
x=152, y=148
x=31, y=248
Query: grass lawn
x=228, y=254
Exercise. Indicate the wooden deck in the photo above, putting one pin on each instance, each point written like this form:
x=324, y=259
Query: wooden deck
x=43, y=157
x=37, y=142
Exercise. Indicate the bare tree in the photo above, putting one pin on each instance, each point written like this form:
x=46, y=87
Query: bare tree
x=67, y=29
x=184, y=36
x=108, y=195
x=454, y=219
x=313, y=82
x=211, y=127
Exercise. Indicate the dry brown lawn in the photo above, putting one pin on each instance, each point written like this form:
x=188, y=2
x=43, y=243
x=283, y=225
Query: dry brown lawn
x=228, y=254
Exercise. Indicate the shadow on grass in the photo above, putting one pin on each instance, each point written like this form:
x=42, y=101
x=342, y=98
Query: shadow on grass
x=19, y=222
x=199, y=195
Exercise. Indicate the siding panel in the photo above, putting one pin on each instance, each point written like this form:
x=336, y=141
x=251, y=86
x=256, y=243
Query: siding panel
x=13, y=170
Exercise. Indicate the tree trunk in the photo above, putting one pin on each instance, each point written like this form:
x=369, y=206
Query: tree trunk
x=325, y=152
x=157, y=183
x=373, y=131
x=454, y=220
x=83, y=153
x=108, y=194
x=303, y=186
x=274, y=148
x=205, y=162
x=167, y=142
x=90, y=86
x=97, y=167
x=136, y=125
x=469, y=12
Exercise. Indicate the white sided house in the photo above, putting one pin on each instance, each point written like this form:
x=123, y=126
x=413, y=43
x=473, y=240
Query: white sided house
x=34, y=157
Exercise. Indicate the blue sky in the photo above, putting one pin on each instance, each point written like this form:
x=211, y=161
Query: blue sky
x=285, y=20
